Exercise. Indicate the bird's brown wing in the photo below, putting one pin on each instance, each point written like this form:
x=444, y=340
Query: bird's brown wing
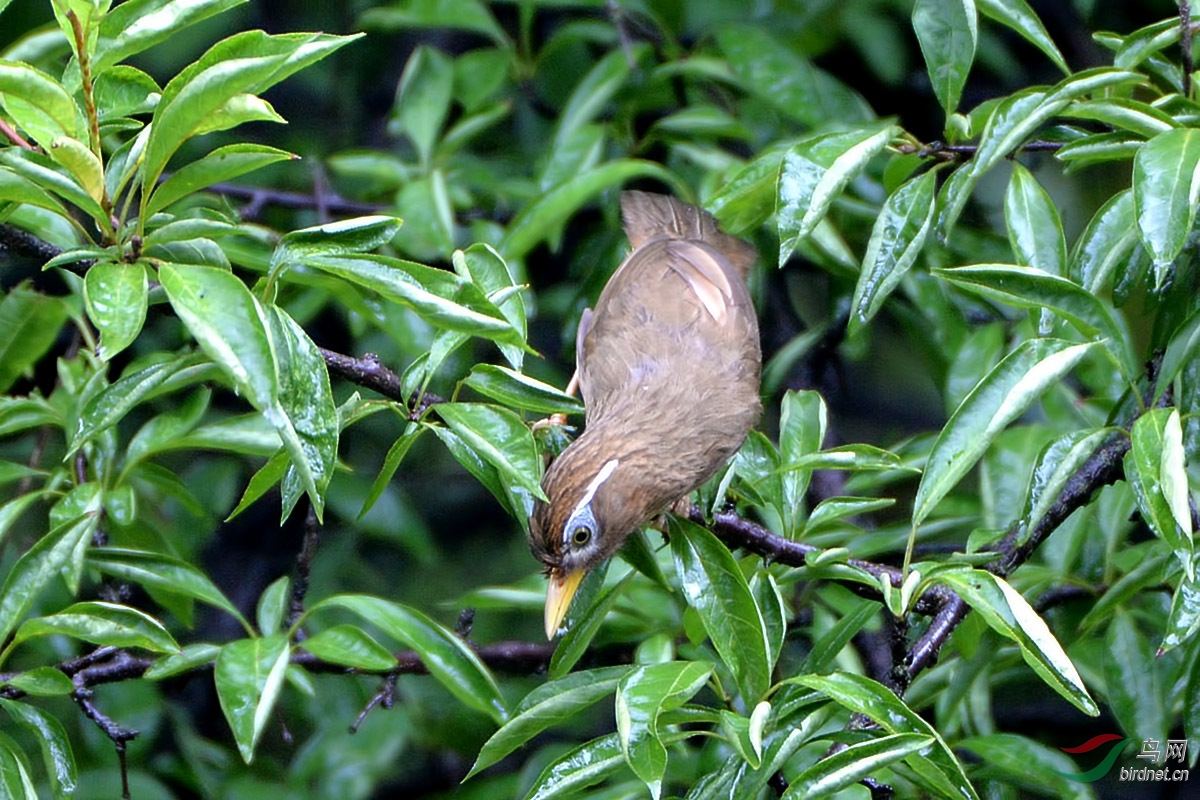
x=670, y=302
x=647, y=216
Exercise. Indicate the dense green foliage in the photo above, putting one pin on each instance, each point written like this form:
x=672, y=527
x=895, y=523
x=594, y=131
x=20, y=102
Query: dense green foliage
x=962, y=541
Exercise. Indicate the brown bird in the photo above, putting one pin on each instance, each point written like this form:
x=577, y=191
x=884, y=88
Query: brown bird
x=669, y=364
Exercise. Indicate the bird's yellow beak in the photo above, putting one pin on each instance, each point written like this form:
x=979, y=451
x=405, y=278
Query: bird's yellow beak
x=558, y=598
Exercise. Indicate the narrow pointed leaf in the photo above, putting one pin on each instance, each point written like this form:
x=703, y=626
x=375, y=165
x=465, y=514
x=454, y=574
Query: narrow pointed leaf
x=713, y=584
x=851, y=765
x=1166, y=191
x=896, y=240
x=997, y=400
x=447, y=657
x=249, y=676
x=1009, y=614
x=546, y=706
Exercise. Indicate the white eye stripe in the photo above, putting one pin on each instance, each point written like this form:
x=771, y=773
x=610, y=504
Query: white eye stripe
x=607, y=470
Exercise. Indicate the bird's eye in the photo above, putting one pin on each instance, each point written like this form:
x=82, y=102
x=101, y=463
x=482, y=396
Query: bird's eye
x=581, y=536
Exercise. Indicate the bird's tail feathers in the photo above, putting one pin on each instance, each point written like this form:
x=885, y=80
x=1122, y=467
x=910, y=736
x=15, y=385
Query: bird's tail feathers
x=647, y=215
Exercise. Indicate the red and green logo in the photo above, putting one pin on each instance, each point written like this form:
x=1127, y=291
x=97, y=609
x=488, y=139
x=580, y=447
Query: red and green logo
x=1101, y=769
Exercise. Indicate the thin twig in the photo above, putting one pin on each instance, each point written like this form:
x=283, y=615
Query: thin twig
x=303, y=571
x=11, y=134
x=332, y=203
x=1185, y=44
x=370, y=373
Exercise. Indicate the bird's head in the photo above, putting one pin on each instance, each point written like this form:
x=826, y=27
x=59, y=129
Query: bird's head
x=586, y=519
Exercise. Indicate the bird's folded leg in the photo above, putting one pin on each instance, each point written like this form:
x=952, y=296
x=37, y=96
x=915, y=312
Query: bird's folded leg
x=558, y=420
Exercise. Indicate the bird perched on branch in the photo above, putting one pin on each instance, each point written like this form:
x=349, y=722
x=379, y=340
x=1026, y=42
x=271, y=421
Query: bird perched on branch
x=669, y=364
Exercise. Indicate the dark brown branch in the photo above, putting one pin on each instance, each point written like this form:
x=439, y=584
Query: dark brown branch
x=303, y=571
x=957, y=152
x=256, y=198
x=736, y=531
x=23, y=244
x=369, y=372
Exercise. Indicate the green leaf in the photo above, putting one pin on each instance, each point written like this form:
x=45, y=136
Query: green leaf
x=815, y=171
x=442, y=298
x=468, y=15
x=1156, y=470
x=162, y=573
x=53, y=741
x=186, y=660
x=830, y=644
x=37, y=102
x=896, y=240
x=445, y=655
x=14, y=774
x=851, y=765
x=116, y=297
x=1107, y=242
x=483, y=266
x=1027, y=763
x=223, y=164
x=1183, y=622
x=500, y=438
x=1166, y=190
x=34, y=570
x=595, y=90
x=747, y=198
x=947, y=31
x=548, y=705
x=29, y=323
x=423, y=99
x=272, y=606
x=1124, y=114
x=1058, y=463
x=1133, y=688
x=1029, y=287
x=642, y=695
x=745, y=733
x=864, y=696
x=517, y=501
x=713, y=584
x=138, y=25
x=1034, y=227
x=515, y=390
x=1181, y=351
x=391, y=462
x=1017, y=14
x=775, y=73
x=579, y=768
x=229, y=325
x=41, y=682
x=191, y=98
x=586, y=614
x=110, y=405
x=350, y=646
x=546, y=215
x=105, y=624
x=344, y=237
x=1099, y=148
x=44, y=172
x=998, y=399
x=124, y=90
x=82, y=164
x=16, y=188
x=249, y=676
x=1010, y=615
x=309, y=423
